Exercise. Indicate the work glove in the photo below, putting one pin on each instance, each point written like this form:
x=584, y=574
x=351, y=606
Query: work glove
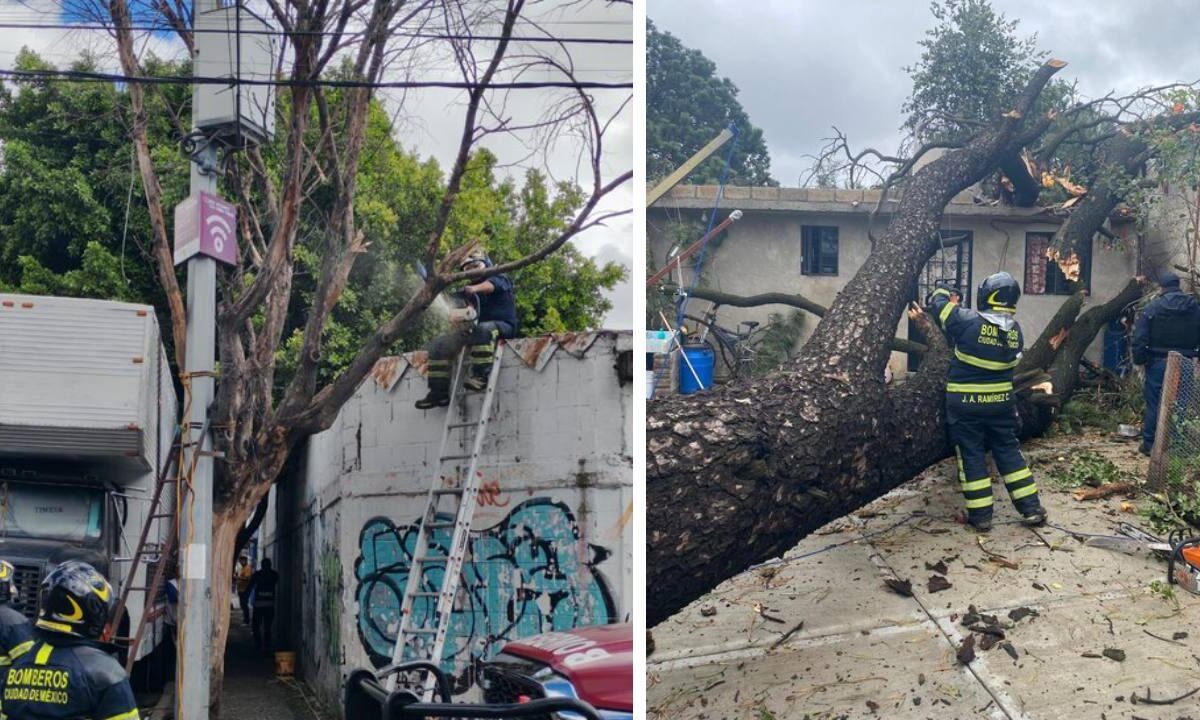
x=937, y=290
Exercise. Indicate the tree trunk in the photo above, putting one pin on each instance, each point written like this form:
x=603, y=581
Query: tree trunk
x=225, y=530
x=739, y=474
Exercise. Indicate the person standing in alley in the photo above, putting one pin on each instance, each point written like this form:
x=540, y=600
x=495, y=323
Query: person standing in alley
x=1170, y=322
x=262, y=585
x=241, y=579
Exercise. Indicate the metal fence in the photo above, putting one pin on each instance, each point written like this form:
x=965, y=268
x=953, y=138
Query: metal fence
x=1175, y=459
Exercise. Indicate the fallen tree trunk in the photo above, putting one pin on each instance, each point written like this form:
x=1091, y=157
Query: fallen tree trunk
x=792, y=300
x=739, y=474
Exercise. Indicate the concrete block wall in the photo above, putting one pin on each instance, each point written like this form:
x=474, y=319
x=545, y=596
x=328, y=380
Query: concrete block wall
x=551, y=538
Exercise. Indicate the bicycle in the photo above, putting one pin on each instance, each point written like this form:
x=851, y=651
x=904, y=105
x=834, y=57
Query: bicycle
x=738, y=349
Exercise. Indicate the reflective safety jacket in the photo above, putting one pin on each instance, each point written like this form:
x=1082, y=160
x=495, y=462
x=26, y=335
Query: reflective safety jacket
x=16, y=634
x=66, y=678
x=987, y=347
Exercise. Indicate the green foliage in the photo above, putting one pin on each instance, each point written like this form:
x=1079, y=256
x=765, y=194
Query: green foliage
x=1101, y=408
x=972, y=65
x=73, y=218
x=687, y=105
x=1165, y=591
x=1179, y=504
x=1087, y=468
x=778, y=340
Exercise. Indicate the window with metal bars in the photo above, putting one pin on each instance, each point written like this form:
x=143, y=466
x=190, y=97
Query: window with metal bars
x=819, y=250
x=1043, y=276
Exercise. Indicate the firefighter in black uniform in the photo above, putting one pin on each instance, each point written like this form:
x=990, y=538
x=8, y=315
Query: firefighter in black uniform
x=67, y=674
x=16, y=633
x=1169, y=322
x=497, y=320
x=979, y=397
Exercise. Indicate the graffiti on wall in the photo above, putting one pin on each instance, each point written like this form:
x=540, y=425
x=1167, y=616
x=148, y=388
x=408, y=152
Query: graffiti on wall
x=530, y=573
x=331, y=603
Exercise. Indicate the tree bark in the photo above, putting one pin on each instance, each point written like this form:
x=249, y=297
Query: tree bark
x=739, y=474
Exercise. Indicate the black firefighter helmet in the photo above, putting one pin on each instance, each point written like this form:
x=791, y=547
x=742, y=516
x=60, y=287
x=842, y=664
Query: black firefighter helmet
x=75, y=600
x=999, y=292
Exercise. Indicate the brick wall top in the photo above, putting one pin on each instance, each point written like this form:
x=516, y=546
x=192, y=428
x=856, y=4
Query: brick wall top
x=824, y=200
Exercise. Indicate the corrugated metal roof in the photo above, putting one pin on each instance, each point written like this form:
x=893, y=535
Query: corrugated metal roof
x=533, y=352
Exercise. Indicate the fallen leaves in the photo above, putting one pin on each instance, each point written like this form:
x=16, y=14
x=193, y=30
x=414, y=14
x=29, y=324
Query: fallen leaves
x=898, y=586
x=966, y=651
x=937, y=583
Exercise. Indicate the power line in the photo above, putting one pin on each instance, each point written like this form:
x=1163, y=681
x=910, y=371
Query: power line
x=316, y=33
x=87, y=76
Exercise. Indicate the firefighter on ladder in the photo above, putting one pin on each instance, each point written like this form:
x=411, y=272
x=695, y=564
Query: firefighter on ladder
x=979, y=397
x=67, y=673
x=497, y=320
x=16, y=633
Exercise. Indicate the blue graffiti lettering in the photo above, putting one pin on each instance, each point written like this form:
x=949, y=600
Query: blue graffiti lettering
x=529, y=574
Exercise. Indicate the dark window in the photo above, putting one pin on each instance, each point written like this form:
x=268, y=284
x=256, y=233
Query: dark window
x=819, y=250
x=1043, y=276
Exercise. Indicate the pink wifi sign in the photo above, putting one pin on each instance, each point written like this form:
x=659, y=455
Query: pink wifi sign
x=206, y=225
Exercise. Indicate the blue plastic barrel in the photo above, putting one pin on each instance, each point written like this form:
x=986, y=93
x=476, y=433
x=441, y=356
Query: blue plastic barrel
x=701, y=359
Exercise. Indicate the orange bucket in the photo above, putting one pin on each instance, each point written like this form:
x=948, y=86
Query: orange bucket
x=285, y=664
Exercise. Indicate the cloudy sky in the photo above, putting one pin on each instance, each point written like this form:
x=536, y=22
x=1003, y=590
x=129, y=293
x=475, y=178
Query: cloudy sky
x=805, y=66
x=430, y=121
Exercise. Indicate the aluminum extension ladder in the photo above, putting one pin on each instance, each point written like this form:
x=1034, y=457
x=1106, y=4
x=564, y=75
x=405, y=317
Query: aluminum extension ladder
x=453, y=491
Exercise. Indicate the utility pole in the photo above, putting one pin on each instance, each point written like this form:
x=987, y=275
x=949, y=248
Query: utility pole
x=231, y=117
x=195, y=529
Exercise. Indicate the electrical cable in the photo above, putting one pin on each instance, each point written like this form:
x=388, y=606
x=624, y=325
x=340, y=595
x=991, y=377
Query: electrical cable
x=315, y=33
x=87, y=76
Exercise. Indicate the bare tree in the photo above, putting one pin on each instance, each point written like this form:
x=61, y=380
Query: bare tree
x=366, y=42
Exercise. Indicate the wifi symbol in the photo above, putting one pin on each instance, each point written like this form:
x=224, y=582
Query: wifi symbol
x=219, y=229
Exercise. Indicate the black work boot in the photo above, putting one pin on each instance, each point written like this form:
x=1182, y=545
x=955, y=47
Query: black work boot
x=1033, y=517
x=982, y=525
x=434, y=399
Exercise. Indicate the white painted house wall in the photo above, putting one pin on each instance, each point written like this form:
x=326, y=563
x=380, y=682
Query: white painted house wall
x=552, y=545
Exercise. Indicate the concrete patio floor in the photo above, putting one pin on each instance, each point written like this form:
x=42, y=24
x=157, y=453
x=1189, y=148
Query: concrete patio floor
x=866, y=651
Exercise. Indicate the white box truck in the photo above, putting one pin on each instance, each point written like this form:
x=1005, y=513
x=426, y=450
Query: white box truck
x=87, y=418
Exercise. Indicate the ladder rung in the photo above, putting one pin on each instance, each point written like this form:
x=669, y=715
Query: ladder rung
x=426, y=594
x=162, y=515
x=422, y=631
x=455, y=426
x=448, y=491
x=431, y=558
x=439, y=525
x=456, y=457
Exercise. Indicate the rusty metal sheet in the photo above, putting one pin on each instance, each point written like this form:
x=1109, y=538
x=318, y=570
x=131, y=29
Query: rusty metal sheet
x=536, y=352
x=387, y=371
